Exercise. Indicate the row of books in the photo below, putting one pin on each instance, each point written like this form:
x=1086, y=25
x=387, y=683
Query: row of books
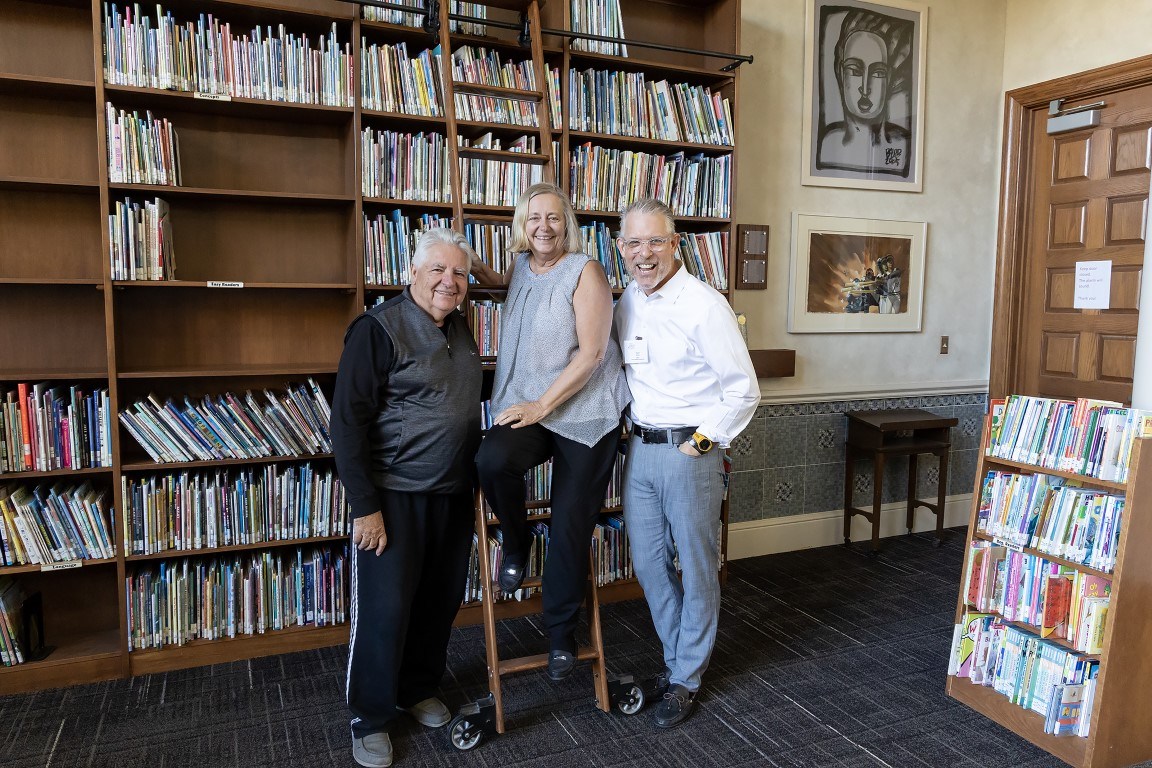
x=292, y=423
x=210, y=598
x=598, y=17
x=703, y=254
x=393, y=81
x=628, y=104
x=474, y=107
x=483, y=66
x=45, y=428
x=1052, y=516
x=12, y=598
x=140, y=241
x=409, y=19
x=1086, y=436
x=405, y=166
x=55, y=524
x=598, y=241
x=604, y=179
x=204, y=510
x=1031, y=672
x=1057, y=600
x=496, y=182
x=484, y=319
x=141, y=150
x=205, y=56
x=389, y=244
x=491, y=242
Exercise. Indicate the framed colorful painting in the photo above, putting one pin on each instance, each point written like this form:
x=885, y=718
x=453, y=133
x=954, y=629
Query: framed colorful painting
x=856, y=275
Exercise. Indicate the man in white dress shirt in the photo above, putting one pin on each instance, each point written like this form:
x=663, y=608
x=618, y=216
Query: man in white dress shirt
x=693, y=390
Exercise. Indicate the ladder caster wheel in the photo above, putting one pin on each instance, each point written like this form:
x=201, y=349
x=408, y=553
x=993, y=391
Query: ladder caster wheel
x=465, y=733
x=632, y=700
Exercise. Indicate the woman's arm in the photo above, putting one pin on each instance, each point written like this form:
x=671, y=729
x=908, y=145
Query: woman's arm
x=592, y=305
x=488, y=276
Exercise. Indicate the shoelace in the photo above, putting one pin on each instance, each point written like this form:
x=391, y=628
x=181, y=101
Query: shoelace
x=680, y=700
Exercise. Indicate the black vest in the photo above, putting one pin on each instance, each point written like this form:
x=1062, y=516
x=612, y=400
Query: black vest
x=425, y=438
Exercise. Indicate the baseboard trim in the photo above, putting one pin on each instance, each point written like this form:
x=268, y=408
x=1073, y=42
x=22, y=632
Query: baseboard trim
x=822, y=529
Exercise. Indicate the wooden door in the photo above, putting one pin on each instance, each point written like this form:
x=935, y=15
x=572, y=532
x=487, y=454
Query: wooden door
x=1068, y=198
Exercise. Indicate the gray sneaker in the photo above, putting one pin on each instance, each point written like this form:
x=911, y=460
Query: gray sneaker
x=373, y=751
x=431, y=712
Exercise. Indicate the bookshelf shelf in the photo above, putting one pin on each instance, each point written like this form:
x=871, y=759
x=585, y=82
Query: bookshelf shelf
x=228, y=194
x=77, y=658
x=247, y=284
x=1036, y=630
x=656, y=145
x=51, y=281
x=33, y=183
x=49, y=567
x=200, y=652
x=476, y=127
x=406, y=121
x=1086, y=480
x=61, y=87
x=586, y=213
x=169, y=554
x=238, y=371
x=48, y=373
x=1115, y=737
x=54, y=473
x=483, y=89
x=1046, y=556
x=396, y=203
x=153, y=466
x=130, y=96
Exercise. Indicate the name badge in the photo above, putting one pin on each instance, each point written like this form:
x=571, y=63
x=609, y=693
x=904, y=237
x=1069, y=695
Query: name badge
x=635, y=351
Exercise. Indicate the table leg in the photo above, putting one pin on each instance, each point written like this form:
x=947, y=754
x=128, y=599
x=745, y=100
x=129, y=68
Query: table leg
x=941, y=492
x=849, y=472
x=877, y=497
x=912, y=502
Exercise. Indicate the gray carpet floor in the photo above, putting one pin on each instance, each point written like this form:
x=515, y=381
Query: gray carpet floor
x=825, y=658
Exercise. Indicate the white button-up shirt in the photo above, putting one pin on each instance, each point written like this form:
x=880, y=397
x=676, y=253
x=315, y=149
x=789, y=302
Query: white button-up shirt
x=698, y=373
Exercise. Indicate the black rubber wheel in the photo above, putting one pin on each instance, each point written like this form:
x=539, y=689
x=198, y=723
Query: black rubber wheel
x=632, y=702
x=465, y=734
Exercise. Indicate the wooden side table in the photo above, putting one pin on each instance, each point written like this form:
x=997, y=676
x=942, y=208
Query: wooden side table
x=901, y=432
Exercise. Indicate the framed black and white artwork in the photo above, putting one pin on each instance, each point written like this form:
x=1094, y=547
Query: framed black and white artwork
x=864, y=94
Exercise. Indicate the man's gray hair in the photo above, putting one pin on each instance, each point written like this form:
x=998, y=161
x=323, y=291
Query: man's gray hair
x=650, y=206
x=434, y=236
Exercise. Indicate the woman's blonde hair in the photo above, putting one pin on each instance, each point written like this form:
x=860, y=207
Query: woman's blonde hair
x=572, y=241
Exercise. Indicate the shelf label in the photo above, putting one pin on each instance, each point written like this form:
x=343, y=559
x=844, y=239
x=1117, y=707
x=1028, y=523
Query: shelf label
x=213, y=96
x=225, y=284
x=1009, y=544
x=61, y=566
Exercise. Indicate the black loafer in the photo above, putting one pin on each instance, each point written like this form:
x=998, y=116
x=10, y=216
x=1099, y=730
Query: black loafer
x=561, y=664
x=511, y=576
x=677, y=706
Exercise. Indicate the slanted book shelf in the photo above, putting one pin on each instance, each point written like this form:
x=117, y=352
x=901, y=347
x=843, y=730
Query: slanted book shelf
x=1117, y=733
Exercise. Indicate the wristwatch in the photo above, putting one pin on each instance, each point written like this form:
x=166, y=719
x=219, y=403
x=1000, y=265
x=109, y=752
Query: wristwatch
x=701, y=443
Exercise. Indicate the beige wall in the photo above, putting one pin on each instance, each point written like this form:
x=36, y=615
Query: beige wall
x=965, y=45
x=1046, y=39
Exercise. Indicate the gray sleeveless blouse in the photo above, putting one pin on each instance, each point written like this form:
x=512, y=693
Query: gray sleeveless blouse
x=538, y=340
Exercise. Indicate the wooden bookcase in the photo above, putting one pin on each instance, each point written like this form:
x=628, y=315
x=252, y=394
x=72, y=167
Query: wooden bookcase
x=1118, y=735
x=271, y=199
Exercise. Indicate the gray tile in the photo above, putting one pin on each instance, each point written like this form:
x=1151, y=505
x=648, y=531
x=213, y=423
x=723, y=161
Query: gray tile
x=962, y=471
x=745, y=496
x=825, y=438
x=785, y=438
x=966, y=435
x=749, y=450
x=823, y=487
x=783, y=491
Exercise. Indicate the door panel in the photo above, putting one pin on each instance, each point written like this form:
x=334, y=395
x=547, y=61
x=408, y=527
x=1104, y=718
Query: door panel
x=1089, y=203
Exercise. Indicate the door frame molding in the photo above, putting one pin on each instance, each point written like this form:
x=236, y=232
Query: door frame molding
x=1020, y=107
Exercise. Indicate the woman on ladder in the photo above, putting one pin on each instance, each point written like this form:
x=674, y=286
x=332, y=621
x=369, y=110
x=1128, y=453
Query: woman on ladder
x=558, y=393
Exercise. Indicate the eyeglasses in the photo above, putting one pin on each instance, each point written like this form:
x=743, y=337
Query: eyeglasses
x=654, y=243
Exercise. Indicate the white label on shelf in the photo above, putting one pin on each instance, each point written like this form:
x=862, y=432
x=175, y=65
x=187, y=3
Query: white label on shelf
x=61, y=566
x=213, y=96
x=1009, y=544
x=225, y=284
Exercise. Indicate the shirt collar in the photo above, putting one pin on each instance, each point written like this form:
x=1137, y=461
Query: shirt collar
x=675, y=286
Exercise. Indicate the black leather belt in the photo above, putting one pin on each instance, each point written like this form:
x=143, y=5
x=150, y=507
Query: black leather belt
x=674, y=435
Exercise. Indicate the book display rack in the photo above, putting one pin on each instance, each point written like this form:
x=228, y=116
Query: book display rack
x=195, y=201
x=1052, y=623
